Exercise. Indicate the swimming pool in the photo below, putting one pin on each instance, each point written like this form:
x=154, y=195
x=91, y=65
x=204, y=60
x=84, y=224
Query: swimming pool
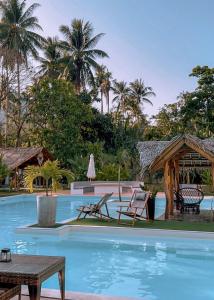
x=113, y=264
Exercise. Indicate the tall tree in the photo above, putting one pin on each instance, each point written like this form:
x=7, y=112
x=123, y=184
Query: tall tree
x=81, y=53
x=107, y=87
x=141, y=93
x=100, y=75
x=52, y=58
x=121, y=94
x=103, y=83
x=58, y=125
x=17, y=33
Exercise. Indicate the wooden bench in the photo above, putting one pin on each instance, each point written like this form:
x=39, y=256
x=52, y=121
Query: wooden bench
x=9, y=290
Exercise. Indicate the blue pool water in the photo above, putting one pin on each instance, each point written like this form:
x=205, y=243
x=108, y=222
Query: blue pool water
x=120, y=265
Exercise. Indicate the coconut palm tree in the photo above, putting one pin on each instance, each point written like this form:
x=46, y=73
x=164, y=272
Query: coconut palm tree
x=121, y=92
x=107, y=87
x=103, y=82
x=141, y=93
x=17, y=32
x=81, y=53
x=18, y=38
x=100, y=75
x=52, y=58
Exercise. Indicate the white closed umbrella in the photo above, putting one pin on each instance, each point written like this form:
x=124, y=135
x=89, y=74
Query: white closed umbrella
x=91, y=174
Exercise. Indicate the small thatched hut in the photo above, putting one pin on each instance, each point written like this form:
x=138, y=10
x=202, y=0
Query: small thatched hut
x=182, y=154
x=17, y=159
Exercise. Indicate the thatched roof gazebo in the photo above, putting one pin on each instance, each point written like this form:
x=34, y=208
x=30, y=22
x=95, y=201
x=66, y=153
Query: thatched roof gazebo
x=183, y=151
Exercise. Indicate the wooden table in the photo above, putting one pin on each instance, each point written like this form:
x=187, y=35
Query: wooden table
x=32, y=270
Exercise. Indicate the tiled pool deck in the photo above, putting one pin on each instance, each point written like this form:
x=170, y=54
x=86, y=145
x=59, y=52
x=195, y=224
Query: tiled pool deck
x=54, y=294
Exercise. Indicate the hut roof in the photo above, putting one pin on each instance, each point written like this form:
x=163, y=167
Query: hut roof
x=152, y=151
x=15, y=157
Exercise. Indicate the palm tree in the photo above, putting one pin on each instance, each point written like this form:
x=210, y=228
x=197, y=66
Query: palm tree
x=52, y=58
x=100, y=75
x=17, y=32
x=80, y=52
x=122, y=93
x=17, y=35
x=107, y=87
x=141, y=93
x=103, y=82
x=50, y=171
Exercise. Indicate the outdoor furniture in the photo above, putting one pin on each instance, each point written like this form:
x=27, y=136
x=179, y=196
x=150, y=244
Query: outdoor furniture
x=188, y=200
x=136, y=207
x=9, y=290
x=95, y=210
x=32, y=270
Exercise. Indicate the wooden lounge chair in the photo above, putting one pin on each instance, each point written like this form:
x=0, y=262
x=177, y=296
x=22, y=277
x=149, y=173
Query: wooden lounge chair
x=95, y=210
x=188, y=200
x=136, y=207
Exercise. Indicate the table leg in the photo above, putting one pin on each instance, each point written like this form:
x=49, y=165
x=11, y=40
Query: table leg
x=34, y=291
x=61, y=275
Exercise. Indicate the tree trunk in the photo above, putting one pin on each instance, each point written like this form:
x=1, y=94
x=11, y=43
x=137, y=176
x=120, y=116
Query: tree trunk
x=107, y=101
x=18, y=137
x=19, y=103
x=18, y=79
x=6, y=107
x=101, y=101
x=46, y=187
x=78, y=81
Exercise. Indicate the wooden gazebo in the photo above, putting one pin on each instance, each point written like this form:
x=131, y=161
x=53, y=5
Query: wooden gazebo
x=182, y=152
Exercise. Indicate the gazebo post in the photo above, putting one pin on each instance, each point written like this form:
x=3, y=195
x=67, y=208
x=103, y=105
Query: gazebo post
x=176, y=166
x=212, y=172
x=168, y=185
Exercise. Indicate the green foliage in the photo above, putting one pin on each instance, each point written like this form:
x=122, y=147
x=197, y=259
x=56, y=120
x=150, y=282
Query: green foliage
x=17, y=29
x=50, y=170
x=58, y=118
x=110, y=172
x=4, y=171
x=193, y=113
x=206, y=177
x=80, y=52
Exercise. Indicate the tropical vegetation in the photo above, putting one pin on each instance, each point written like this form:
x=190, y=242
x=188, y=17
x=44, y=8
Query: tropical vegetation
x=58, y=93
x=50, y=171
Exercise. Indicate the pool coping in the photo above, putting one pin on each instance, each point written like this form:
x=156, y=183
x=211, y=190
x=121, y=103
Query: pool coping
x=70, y=295
x=141, y=232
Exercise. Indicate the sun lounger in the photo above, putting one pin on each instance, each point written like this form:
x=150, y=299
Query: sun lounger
x=136, y=208
x=95, y=210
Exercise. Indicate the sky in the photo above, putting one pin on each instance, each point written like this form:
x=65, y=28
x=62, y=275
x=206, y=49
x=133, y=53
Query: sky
x=159, y=41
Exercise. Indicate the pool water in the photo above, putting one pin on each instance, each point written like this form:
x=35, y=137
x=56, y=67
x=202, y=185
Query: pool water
x=120, y=265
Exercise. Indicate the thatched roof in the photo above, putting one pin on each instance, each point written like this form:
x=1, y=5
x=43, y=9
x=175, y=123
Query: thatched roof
x=15, y=157
x=151, y=151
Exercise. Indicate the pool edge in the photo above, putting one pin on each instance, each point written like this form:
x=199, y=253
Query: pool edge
x=110, y=229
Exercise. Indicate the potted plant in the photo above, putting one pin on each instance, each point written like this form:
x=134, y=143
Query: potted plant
x=46, y=204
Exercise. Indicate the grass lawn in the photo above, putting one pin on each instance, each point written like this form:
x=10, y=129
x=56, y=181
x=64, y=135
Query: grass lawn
x=171, y=224
x=54, y=226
